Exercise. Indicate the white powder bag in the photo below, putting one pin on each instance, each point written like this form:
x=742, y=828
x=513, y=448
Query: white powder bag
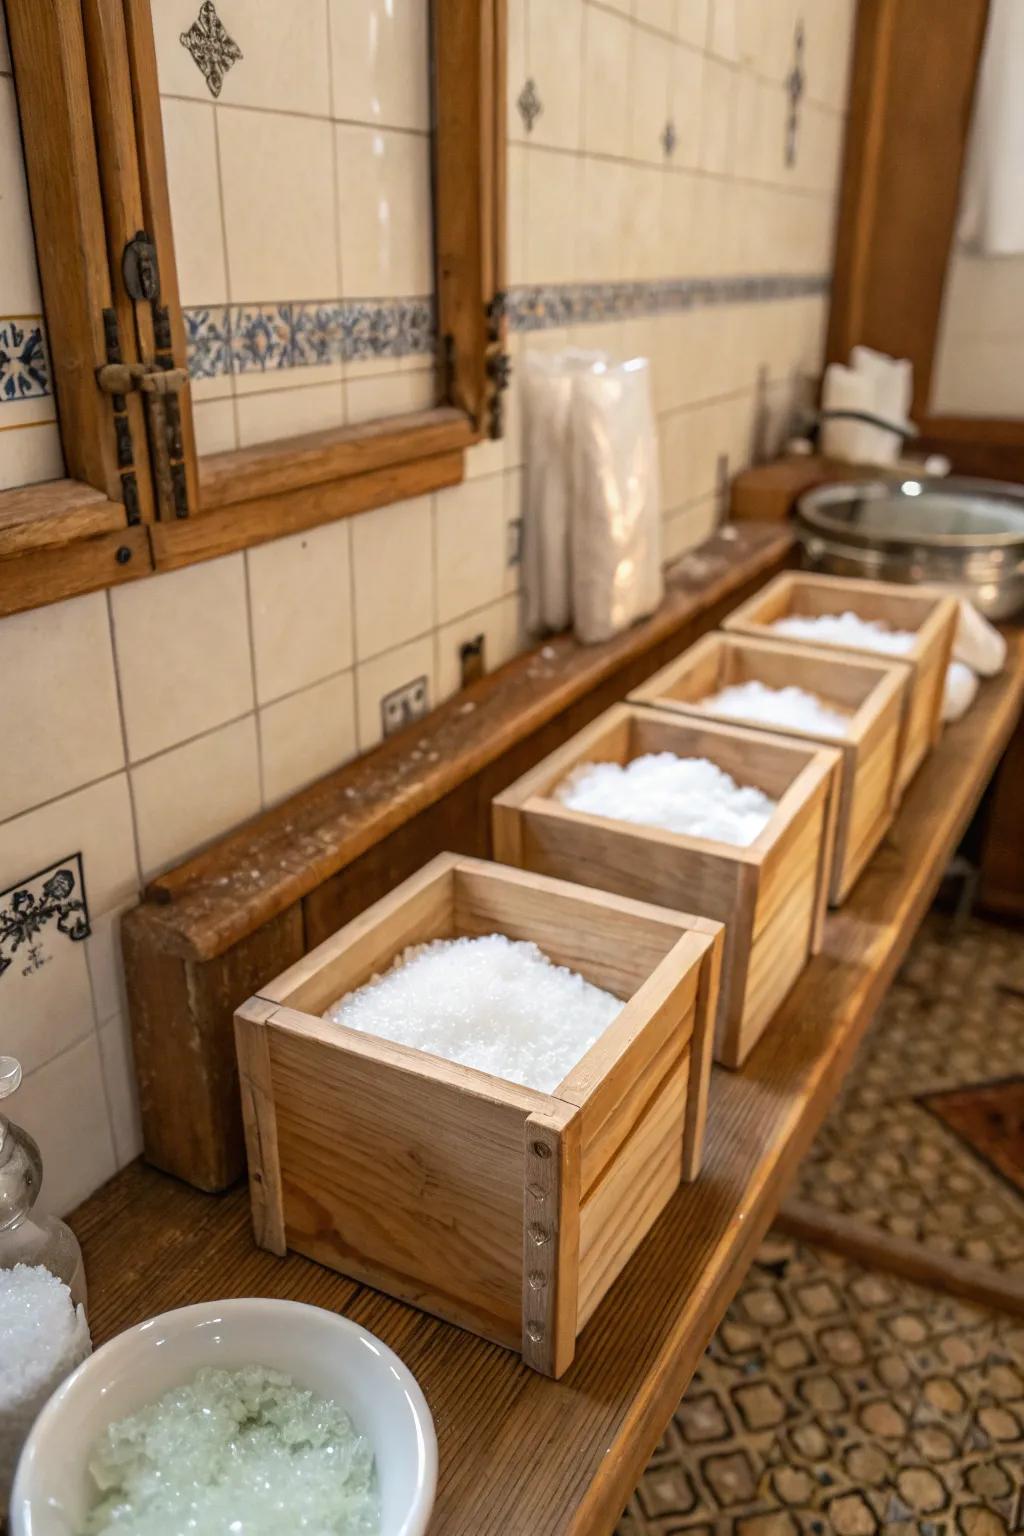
x=493, y=1003
x=682, y=794
x=615, y=533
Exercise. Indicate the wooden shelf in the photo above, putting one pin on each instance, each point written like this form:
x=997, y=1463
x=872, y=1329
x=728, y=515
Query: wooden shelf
x=522, y=1455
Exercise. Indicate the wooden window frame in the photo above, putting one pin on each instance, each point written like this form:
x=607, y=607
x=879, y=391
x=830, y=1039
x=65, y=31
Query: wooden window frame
x=93, y=137
x=912, y=94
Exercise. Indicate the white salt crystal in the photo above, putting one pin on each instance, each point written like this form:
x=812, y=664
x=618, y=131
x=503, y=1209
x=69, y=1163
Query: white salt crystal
x=792, y=707
x=244, y=1450
x=42, y=1338
x=493, y=1003
x=682, y=794
x=847, y=629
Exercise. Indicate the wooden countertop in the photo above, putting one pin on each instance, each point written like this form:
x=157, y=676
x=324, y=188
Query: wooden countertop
x=522, y=1455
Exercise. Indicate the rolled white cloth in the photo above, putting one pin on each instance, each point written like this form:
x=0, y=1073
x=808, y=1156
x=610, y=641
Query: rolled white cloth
x=977, y=644
x=959, y=692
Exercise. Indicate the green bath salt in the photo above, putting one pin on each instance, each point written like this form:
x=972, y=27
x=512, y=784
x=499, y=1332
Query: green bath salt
x=234, y=1453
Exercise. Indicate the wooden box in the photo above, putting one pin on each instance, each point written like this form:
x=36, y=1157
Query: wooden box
x=507, y=1211
x=771, y=894
x=871, y=693
x=931, y=614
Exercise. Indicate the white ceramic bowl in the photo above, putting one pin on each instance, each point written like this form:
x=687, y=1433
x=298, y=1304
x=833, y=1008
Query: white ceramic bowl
x=327, y=1354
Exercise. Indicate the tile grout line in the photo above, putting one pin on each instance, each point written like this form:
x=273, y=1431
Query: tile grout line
x=123, y=721
x=250, y=634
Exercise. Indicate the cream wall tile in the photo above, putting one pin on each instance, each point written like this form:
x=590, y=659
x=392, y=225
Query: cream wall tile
x=183, y=653
x=718, y=100
x=47, y=1002
x=307, y=735
x=685, y=86
x=681, y=238
x=392, y=564
x=472, y=546
x=692, y=21
x=552, y=197
x=485, y=458
x=276, y=172
x=300, y=599
x=122, y=1093
x=645, y=259
x=64, y=1107
x=516, y=172
x=517, y=69
x=31, y=456
x=385, y=213
x=284, y=63
x=656, y=13
x=19, y=294
x=58, y=701
x=95, y=822
x=106, y=965
x=606, y=54
x=649, y=96
x=389, y=394
x=187, y=797
x=499, y=625
x=380, y=53
x=193, y=184
x=289, y=412
x=555, y=53
x=408, y=664
x=214, y=422
x=724, y=31
x=689, y=528
x=601, y=245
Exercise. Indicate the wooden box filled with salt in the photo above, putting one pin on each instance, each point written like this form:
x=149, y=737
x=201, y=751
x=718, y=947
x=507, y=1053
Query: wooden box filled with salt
x=485, y=1128
x=911, y=625
x=737, y=825
x=813, y=695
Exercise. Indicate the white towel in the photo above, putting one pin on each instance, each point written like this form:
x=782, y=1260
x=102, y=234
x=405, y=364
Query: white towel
x=853, y=442
x=992, y=190
x=976, y=643
x=892, y=385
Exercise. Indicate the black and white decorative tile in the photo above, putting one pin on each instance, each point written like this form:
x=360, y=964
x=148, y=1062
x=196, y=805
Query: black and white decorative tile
x=553, y=306
x=211, y=46
x=24, y=365
x=40, y=912
x=246, y=338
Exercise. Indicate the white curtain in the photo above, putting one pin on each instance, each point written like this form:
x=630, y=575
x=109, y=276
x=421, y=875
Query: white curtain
x=992, y=197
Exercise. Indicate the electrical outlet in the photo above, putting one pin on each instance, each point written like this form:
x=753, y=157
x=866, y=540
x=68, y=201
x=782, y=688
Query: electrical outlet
x=403, y=705
x=514, y=541
x=471, y=660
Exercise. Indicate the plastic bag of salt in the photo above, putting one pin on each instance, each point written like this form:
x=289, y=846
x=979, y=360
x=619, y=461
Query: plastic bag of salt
x=615, y=533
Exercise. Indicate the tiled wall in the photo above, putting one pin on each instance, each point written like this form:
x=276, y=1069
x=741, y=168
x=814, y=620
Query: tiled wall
x=29, y=443
x=979, y=363
x=298, y=155
x=149, y=720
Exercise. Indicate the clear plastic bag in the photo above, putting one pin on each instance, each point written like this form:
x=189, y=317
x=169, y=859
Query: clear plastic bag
x=615, y=527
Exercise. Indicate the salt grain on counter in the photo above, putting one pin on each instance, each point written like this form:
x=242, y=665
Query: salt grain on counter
x=681, y=794
x=493, y=1003
x=791, y=707
x=847, y=629
x=43, y=1336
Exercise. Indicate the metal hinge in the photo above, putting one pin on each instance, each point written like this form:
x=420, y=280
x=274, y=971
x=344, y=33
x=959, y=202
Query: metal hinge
x=122, y=426
x=149, y=378
x=499, y=363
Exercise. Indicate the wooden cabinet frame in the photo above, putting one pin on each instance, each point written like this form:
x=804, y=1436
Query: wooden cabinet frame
x=138, y=498
x=915, y=68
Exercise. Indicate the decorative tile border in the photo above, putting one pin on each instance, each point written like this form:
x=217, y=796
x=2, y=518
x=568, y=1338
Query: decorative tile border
x=248, y=338
x=551, y=307
x=24, y=365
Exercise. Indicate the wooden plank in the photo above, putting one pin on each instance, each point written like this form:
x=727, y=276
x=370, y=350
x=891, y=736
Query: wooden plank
x=47, y=45
x=1001, y=887
x=50, y=572
x=980, y=1283
x=551, y=1239
x=259, y=1120
x=207, y=903
x=213, y=533
x=522, y=1455
x=290, y=464
x=56, y=512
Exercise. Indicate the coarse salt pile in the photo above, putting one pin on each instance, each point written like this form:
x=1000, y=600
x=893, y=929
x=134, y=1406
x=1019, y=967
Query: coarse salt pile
x=792, y=707
x=244, y=1450
x=681, y=794
x=847, y=629
x=494, y=1003
x=43, y=1336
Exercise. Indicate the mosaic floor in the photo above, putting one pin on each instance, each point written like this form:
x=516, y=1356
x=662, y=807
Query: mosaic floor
x=907, y=1149
x=839, y=1400
x=835, y=1399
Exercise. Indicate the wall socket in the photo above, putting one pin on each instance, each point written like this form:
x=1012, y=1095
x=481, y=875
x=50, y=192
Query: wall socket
x=472, y=660
x=403, y=705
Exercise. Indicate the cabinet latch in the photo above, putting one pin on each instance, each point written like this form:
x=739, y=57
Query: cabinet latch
x=147, y=378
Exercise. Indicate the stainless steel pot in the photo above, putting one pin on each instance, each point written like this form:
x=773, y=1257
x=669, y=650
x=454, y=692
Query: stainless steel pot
x=964, y=535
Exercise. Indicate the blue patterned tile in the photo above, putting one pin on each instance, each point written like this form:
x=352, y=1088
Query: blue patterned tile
x=317, y=334
x=24, y=365
x=208, y=342
x=261, y=337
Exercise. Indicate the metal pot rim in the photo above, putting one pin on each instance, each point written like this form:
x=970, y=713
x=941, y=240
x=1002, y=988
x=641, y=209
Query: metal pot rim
x=813, y=510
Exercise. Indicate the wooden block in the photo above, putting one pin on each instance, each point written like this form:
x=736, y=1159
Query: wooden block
x=870, y=693
x=453, y=1189
x=770, y=895
x=928, y=612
